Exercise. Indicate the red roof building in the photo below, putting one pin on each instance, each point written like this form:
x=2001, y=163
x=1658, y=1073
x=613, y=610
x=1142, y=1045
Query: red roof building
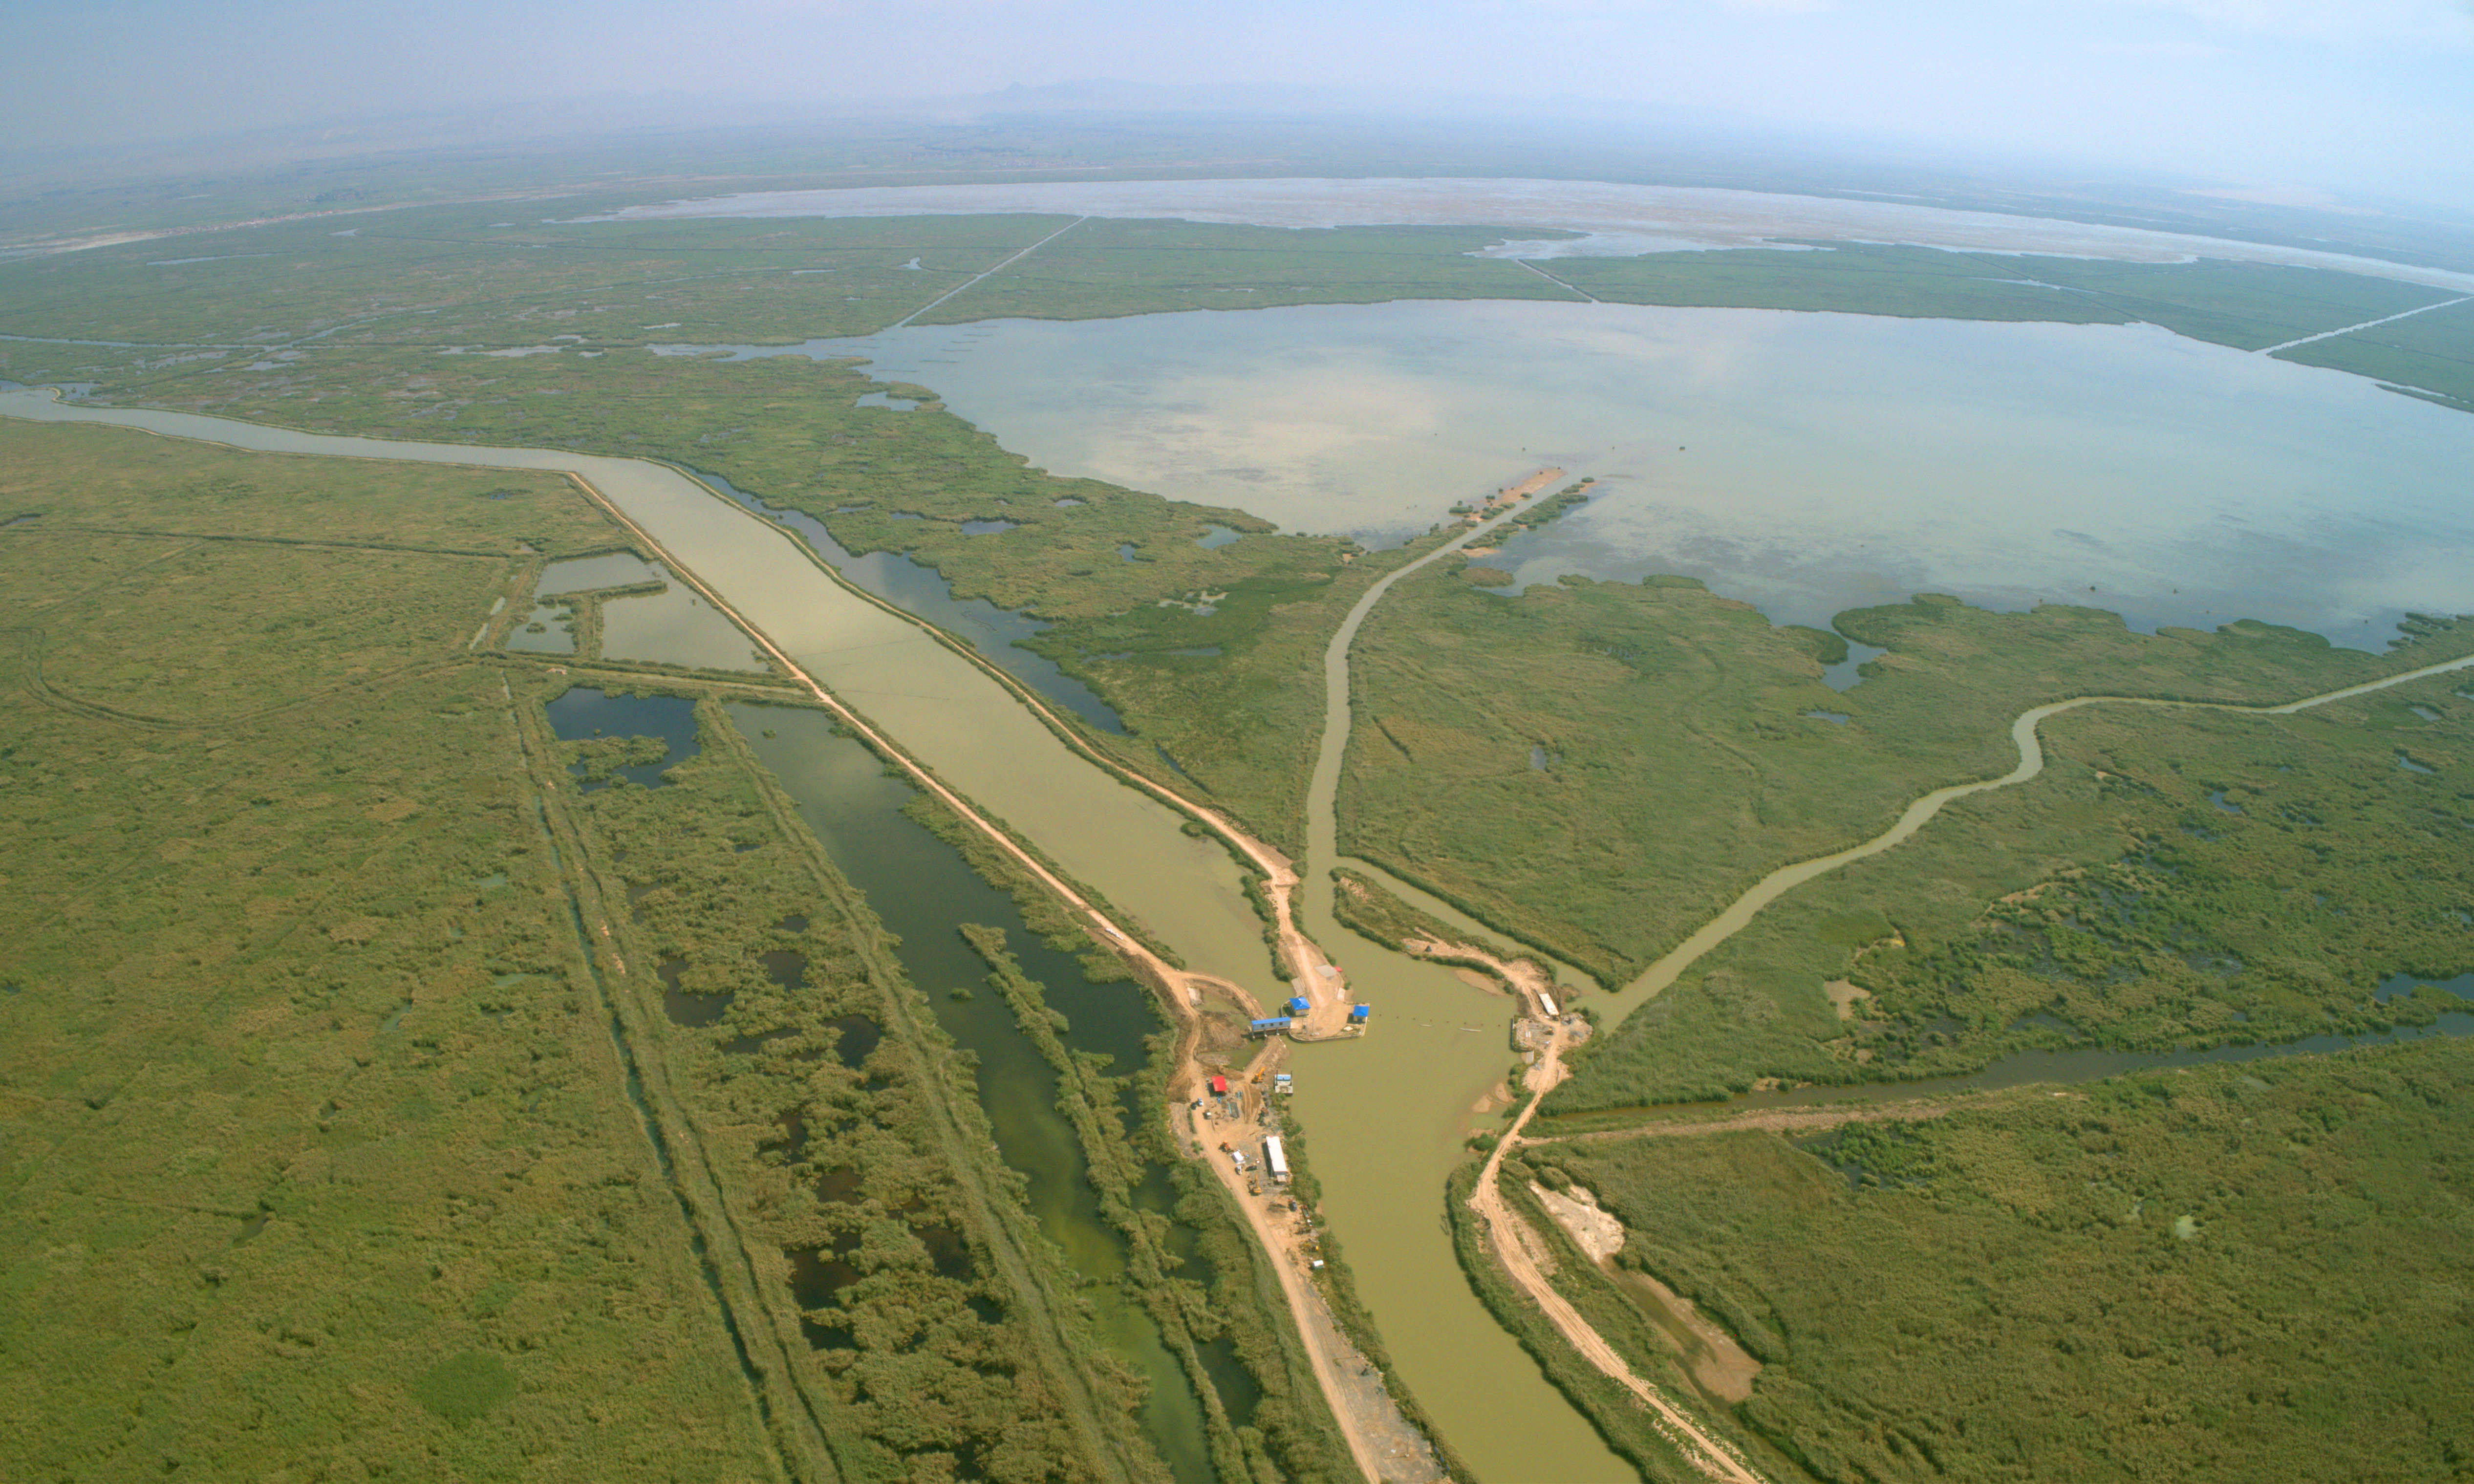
x=1220, y=1087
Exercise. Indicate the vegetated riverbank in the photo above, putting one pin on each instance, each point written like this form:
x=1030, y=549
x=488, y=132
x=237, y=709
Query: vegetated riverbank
x=1508, y=1417
x=1486, y=1219
x=1206, y=653
x=1619, y=1415
x=310, y=1103
x=1117, y=1170
x=796, y=597
x=795, y=1188
x=319, y=334
x=1257, y=1323
x=451, y=276
x=996, y=536
x=2204, y=1271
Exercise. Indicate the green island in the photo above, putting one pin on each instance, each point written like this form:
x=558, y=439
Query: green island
x=423, y=1045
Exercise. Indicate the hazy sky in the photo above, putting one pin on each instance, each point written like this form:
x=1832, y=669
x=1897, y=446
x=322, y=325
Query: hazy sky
x=2375, y=94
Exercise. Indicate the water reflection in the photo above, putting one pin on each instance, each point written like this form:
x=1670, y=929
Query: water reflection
x=924, y=891
x=581, y=715
x=1806, y=463
x=674, y=627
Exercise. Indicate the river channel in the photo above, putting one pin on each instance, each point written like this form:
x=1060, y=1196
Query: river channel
x=2023, y=735
x=1385, y=1117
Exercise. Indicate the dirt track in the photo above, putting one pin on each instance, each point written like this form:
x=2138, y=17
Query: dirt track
x=1530, y=983
x=1512, y=1242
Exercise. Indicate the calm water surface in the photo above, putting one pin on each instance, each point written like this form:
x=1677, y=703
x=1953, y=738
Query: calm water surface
x=1806, y=463
x=995, y=632
x=674, y=627
x=924, y=891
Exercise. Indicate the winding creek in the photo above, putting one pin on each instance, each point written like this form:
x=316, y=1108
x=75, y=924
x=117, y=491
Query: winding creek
x=2031, y=762
x=1386, y=1121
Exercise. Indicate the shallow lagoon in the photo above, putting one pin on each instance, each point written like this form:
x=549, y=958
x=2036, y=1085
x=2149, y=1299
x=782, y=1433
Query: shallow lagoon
x=1806, y=463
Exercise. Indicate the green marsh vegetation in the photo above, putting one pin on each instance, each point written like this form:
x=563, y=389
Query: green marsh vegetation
x=1105, y=268
x=2429, y=354
x=1285, y=1431
x=318, y=1153
x=1209, y=1253
x=403, y=312
x=1612, y=1408
x=1364, y=906
x=378, y=1084
x=1088, y=1128
x=1190, y=1260
x=446, y=277
x=2228, y=1273
x=926, y=1326
x=2175, y=879
x=1670, y=725
x=1233, y=694
x=1597, y=767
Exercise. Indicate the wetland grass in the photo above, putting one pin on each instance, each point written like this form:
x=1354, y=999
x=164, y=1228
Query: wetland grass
x=341, y=1080
x=2222, y=1273
x=347, y=975
x=1686, y=762
x=2113, y=902
x=2247, y=306
x=321, y=1156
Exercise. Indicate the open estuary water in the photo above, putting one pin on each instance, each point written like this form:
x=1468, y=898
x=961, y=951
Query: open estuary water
x=1805, y=463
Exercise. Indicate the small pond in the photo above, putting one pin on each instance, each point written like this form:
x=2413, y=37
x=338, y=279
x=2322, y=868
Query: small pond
x=582, y=715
